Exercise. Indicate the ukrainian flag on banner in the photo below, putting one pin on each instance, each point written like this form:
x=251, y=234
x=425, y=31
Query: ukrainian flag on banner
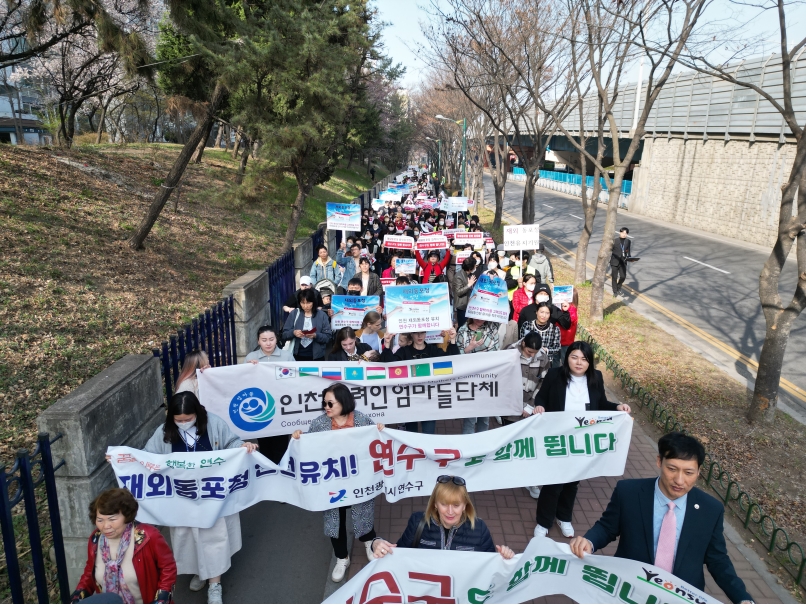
x=442, y=367
x=353, y=373
x=421, y=369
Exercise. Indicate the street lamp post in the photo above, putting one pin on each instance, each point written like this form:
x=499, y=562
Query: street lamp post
x=464, y=144
x=439, y=163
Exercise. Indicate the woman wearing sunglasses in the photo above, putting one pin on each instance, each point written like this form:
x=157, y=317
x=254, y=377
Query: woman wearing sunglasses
x=448, y=523
x=340, y=413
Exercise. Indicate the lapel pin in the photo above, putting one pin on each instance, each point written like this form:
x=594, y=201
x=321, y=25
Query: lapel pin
x=697, y=506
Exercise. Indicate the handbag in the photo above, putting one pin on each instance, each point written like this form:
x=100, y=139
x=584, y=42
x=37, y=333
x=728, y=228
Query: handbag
x=419, y=533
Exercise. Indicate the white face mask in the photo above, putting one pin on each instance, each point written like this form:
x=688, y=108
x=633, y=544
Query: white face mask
x=492, y=266
x=441, y=222
x=186, y=426
x=416, y=233
x=542, y=298
x=530, y=287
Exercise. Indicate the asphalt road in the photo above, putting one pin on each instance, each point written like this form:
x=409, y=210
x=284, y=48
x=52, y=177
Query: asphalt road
x=721, y=299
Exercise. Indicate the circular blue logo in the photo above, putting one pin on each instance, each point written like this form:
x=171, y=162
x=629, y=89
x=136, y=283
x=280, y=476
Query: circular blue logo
x=252, y=410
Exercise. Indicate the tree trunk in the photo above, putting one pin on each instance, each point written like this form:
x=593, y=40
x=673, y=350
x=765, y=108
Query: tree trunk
x=589, y=207
x=101, y=123
x=293, y=221
x=229, y=138
x=218, y=136
x=350, y=158
x=15, y=118
x=237, y=145
x=779, y=319
x=177, y=170
x=528, y=210
x=606, y=249
x=242, y=165
x=197, y=155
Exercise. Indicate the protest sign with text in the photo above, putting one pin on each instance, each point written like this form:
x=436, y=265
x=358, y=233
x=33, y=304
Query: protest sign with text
x=349, y=311
x=521, y=237
x=562, y=294
x=545, y=568
x=340, y=468
x=454, y=204
x=418, y=308
x=488, y=300
x=343, y=217
x=437, y=242
x=405, y=266
x=400, y=242
x=278, y=398
x=475, y=238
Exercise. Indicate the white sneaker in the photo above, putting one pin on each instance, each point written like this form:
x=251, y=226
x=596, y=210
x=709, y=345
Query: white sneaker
x=370, y=554
x=196, y=583
x=540, y=531
x=214, y=593
x=534, y=491
x=566, y=528
x=340, y=569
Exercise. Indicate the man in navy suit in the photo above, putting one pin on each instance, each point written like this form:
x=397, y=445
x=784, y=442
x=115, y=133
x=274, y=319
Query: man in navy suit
x=667, y=522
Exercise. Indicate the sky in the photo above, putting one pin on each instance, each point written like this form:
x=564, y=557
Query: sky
x=405, y=43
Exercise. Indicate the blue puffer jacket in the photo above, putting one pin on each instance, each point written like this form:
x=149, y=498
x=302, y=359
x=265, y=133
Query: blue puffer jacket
x=477, y=539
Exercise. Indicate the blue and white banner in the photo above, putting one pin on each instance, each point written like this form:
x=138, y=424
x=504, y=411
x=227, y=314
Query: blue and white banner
x=279, y=398
x=339, y=468
x=349, y=311
x=405, y=266
x=545, y=568
x=344, y=217
x=418, y=308
x=488, y=300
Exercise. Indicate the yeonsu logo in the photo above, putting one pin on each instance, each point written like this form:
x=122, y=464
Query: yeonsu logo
x=252, y=410
x=583, y=422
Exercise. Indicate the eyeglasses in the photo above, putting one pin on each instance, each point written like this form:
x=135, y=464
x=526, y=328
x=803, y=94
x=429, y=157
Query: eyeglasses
x=451, y=478
x=329, y=404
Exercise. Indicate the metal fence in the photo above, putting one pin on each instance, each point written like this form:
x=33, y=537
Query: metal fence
x=775, y=539
x=212, y=332
x=19, y=484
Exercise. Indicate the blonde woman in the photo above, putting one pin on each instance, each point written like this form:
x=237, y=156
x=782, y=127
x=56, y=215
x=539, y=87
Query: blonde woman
x=371, y=332
x=448, y=523
x=187, y=381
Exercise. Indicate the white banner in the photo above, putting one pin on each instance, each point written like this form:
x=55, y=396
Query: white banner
x=437, y=242
x=521, y=237
x=340, y=468
x=454, y=204
x=399, y=242
x=545, y=568
x=279, y=398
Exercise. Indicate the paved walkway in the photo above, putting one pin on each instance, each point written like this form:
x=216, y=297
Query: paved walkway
x=510, y=515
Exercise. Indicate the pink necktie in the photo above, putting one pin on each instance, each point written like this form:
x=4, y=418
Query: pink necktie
x=664, y=557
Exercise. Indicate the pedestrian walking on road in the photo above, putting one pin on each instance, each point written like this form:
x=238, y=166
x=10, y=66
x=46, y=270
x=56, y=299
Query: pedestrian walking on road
x=542, y=264
x=618, y=260
x=338, y=404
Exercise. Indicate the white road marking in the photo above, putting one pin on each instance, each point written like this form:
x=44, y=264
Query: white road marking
x=575, y=216
x=707, y=265
x=547, y=206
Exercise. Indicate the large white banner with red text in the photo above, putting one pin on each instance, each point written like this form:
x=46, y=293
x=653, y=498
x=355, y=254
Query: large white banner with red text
x=339, y=468
x=544, y=568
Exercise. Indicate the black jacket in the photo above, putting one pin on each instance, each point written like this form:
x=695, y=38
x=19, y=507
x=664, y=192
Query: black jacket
x=552, y=393
x=409, y=352
x=628, y=517
x=476, y=539
x=558, y=316
x=619, y=256
x=340, y=355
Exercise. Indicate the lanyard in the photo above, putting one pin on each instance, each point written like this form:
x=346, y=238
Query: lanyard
x=184, y=440
x=451, y=534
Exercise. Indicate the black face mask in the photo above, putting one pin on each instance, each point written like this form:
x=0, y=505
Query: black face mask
x=354, y=292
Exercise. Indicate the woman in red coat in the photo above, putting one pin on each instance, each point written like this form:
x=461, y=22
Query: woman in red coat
x=434, y=266
x=524, y=296
x=128, y=558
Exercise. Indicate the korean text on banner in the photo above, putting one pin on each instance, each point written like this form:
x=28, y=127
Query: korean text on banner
x=400, y=242
x=454, y=204
x=545, y=568
x=475, y=238
x=418, y=308
x=521, y=237
x=488, y=300
x=277, y=399
x=343, y=217
x=406, y=266
x=349, y=311
x=341, y=468
x=438, y=242
x=450, y=233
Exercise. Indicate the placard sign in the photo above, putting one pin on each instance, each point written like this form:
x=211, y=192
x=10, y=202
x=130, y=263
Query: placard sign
x=521, y=237
x=418, y=308
x=488, y=300
x=476, y=238
x=343, y=217
x=562, y=294
x=405, y=266
x=439, y=242
x=454, y=204
x=349, y=311
x=399, y=242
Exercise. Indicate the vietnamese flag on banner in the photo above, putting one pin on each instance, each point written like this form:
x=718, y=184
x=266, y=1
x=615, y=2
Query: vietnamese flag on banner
x=398, y=372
